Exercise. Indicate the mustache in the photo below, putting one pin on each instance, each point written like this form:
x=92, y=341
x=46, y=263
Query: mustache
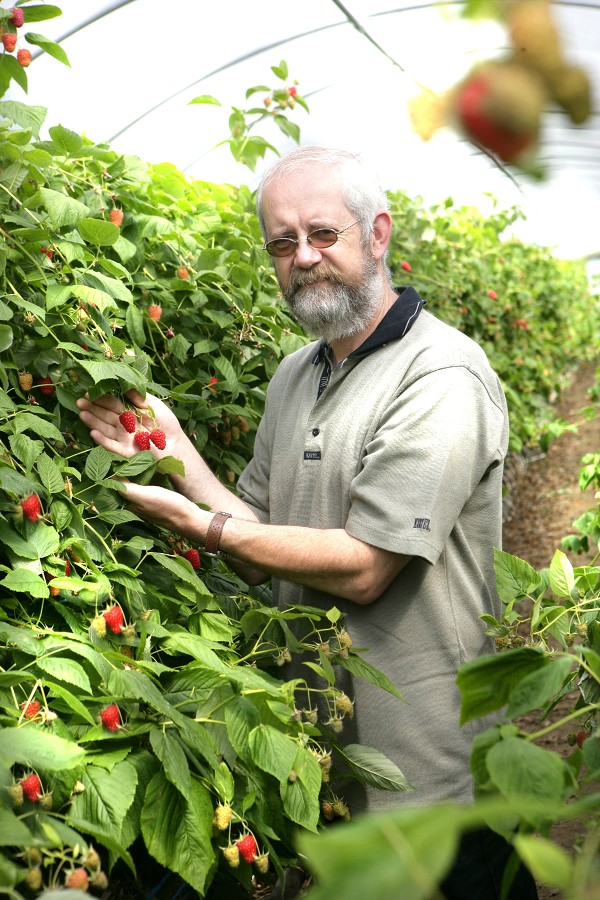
x=300, y=278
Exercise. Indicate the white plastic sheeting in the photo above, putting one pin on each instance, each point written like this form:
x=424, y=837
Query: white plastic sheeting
x=136, y=65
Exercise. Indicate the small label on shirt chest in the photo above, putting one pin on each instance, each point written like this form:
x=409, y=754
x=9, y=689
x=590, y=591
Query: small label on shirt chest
x=312, y=454
x=423, y=524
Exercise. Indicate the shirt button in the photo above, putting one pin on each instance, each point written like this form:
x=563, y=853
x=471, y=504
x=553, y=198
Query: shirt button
x=315, y=432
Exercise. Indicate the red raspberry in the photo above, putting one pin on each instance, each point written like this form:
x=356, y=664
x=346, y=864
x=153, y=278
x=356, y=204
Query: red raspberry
x=31, y=710
x=49, y=254
x=158, y=438
x=212, y=383
x=183, y=273
x=116, y=216
x=18, y=17
x=24, y=57
x=67, y=568
x=247, y=847
x=581, y=736
x=128, y=421
x=142, y=440
x=46, y=385
x=114, y=619
x=492, y=295
x=406, y=266
x=32, y=787
x=31, y=507
x=78, y=879
x=193, y=557
x=111, y=717
x=292, y=91
x=155, y=312
x=9, y=41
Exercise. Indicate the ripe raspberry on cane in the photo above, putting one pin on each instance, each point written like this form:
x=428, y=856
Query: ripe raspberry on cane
x=111, y=717
x=114, y=619
x=142, y=440
x=155, y=312
x=247, y=847
x=31, y=710
x=32, y=787
x=158, y=438
x=116, y=216
x=46, y=385
x=128, y=421
x=581, y=736
x=18, y=17
x=31, y=507
x=77, y=879
x=193, y=557
x=9, y=41
x=406, y=266
x=183, y=273
x=24, y=57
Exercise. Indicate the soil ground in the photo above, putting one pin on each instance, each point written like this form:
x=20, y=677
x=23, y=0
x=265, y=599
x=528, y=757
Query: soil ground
x=545, y=500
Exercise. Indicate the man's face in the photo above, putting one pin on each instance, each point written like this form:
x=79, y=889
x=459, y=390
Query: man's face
x=334, y=292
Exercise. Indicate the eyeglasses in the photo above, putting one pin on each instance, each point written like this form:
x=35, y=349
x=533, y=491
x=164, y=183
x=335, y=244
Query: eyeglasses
x=319, y=239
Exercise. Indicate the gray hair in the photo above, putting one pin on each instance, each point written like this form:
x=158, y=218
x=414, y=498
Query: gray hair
x=362, y=192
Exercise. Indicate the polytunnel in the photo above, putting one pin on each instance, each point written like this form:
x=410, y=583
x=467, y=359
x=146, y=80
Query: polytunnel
x=135, y=68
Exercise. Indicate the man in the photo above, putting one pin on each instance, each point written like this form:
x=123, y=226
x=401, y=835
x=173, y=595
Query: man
x=376, y=480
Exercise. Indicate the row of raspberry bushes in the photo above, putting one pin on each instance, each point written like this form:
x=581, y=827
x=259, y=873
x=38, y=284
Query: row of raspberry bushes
x=117, y=274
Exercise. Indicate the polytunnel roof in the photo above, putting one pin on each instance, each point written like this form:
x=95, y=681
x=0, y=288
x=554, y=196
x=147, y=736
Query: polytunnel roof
x=137, y=64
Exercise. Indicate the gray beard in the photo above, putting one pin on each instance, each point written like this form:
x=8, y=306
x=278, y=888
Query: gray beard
x=334, y=310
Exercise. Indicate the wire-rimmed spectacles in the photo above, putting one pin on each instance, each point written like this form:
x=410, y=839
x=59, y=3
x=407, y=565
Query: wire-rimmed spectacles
x=320, y=239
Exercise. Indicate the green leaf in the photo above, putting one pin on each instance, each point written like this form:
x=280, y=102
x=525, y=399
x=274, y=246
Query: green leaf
x=520, y=769
x=363, y=669
x=50, y=47
x=241, y=717
x=106, y=799
x=514, y=577
x=272, y=751
x=99, y=232
x=19, y=545
x=63, y=669
x=134, y=318
x=45, y=539
x=62, y=210
x=281, y=71
x=373, y=768
x=50, y=475
x=25, y=582
x=536, y=689
x=136, y=685
x=25, y=449
x=6, y=337
x=562, y=577
x=67, y=142
x=205, y=98
x=111, y=370
x=12, y=831
x=39, y=425
x=71, y=700
x=177, y=830
x=174, y=761
x=301, y=796
x=98, y=463
x=224, y=783
x=29, y=117
x=182, y=570
x=486, y=682
x=41, y=12
x=38, y=749
x=92, y=296
x=548, y=862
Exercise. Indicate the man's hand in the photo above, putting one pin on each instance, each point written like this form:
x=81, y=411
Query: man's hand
x=102, y=418
x=168, y=509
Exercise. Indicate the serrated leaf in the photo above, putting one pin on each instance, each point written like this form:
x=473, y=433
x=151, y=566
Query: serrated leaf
x=65, y=141
x=173, y=759
x=485, y=683
x=107, y=797
x=537, y=688
x=241, y=717
x=12, y=830
x=272, y=751
x=520, y=769
x=182, y=569
x=40, y=13
x=39, y=749
x=93, y=296
x=62, y=669
x=29, y=117
x=71, y=700
x=547, y=861
x=111, y=370
x=363, y=669
x=25, y=582
x=39, y=425
x=50, y=47
x=205, y=98
x=6, y=337
x=138, y=463
x=62, y=210
x=562, y=576
x=50, y=474
x=98, y=463
x=45, y=539
x=134, y=319
x=177, y=830
x=98, y=232
x=57, y=295
x=514, y=577
x=17, y=544
x=25, y=449
x=371, y=767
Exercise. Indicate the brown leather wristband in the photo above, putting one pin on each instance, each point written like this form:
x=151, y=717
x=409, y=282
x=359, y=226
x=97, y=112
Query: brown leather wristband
x=213, y=535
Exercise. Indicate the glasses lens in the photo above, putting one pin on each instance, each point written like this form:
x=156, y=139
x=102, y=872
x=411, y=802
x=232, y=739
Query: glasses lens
x=281, y=247
x=322, y=237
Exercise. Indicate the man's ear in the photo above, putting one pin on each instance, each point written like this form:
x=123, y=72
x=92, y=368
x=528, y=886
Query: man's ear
x=382, y=232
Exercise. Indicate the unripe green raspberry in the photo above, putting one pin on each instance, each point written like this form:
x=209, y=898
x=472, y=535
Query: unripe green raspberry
x=232, y=855
x=15, y=792
x=223, y=816
x=336, y=723
x=99, y=881
x=33, y=879
x=311, y=716
x=344, y=705
x=327, y=810
x=262, y=863
x=292, y=776
x=46, y=801
x=344, y=640
x=32, y=856
x=340, y=809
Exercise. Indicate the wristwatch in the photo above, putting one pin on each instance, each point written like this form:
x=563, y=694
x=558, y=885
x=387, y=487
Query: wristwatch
x=213, y=535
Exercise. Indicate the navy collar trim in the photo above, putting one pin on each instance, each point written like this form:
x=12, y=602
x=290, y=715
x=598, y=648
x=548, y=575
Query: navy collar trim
x=397, y=322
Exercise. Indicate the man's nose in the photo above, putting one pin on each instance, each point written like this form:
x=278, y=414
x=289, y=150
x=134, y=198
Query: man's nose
x=306, y=255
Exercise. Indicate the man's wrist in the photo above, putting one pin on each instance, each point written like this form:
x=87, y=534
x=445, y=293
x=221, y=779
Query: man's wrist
x=214, y=532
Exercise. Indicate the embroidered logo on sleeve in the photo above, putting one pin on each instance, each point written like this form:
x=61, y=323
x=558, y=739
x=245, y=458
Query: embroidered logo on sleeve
x=312, y=454
x=423, y=524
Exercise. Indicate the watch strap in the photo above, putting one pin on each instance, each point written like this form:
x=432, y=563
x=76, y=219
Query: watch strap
x=213, y=535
